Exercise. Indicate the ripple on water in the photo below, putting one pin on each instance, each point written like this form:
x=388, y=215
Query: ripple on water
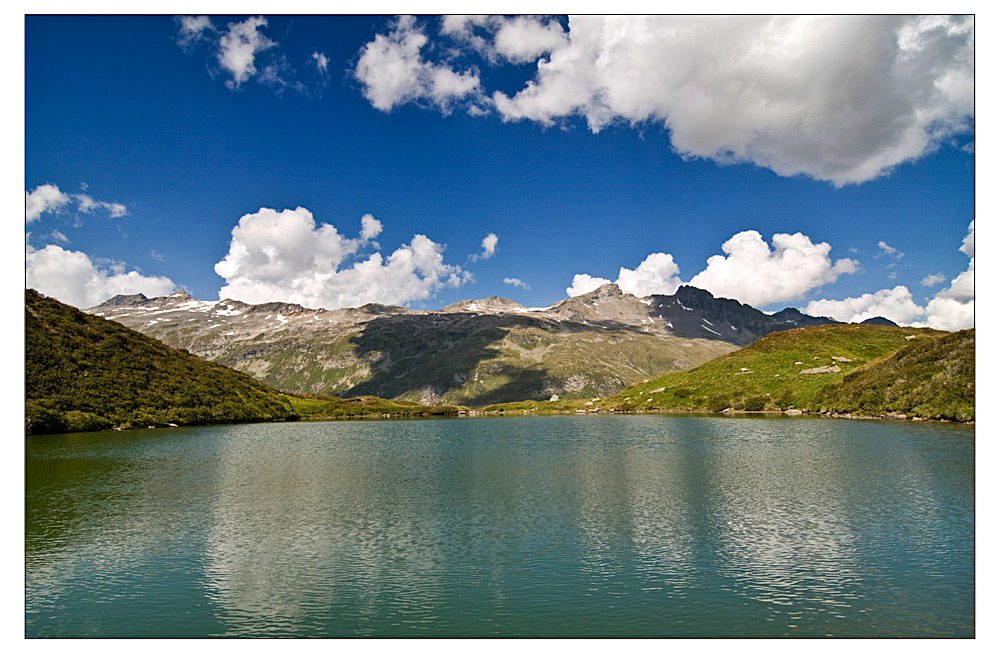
x=624, y=526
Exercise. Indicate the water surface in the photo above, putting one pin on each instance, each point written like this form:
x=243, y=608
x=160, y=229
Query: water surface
x=588, y=526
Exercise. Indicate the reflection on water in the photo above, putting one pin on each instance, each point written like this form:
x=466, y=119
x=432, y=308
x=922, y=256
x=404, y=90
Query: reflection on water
x=576, y=526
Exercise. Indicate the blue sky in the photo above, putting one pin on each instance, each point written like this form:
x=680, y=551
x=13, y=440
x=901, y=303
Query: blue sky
x=526, y=158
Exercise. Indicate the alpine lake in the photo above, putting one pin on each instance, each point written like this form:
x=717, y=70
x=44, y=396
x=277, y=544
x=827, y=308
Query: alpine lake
x=562, y=526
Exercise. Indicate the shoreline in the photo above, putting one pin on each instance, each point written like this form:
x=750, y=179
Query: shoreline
x=473, y=414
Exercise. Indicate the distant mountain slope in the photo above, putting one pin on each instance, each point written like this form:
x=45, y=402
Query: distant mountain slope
x=930, y=377
x=788, y=369
x=473, y=352
x=83, y=373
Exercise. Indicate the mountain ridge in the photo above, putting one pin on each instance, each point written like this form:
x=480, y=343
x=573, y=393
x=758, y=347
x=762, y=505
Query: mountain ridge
x=472, y=352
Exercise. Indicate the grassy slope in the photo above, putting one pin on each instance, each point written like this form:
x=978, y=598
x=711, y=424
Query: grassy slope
x=930, y=378
x=85, y=373
x=322, y=407
x=765, y=376
x=929, y=375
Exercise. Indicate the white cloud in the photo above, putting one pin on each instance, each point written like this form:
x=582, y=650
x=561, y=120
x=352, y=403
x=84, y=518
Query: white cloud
x=463, y=29
x=42, y=199
x=489, y=245
x=238, y=47
x=838, y=98
x=73, y=278
x=656, y=275
x=288, y=257
x=933, y=279
x=969, y=242
x=584, y=283
x=242, y=52
x=952, y=309
x=58, y=236
x=896, y=304
x=192, y=29
x=87, y=204
x=520, y=39
x=48, y=198
x=393, y=72
x=370, y=227
x=523, y=38
x=888, y=250
x=753, y=273
x=517, y=283
x=321, y=62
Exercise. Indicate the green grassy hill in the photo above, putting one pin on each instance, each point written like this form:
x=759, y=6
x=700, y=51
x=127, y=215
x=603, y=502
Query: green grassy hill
x=849, y=368
x=780, y=371
x=932, y=378
x=85, y=373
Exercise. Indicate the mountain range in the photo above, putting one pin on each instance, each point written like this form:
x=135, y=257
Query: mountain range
x=473, y=352
x=85, y=373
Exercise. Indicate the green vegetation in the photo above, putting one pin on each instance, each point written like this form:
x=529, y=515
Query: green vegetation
x=316, y=407
x=769, y=374
x=85, y=373
x=933, y=378
x=864, y=370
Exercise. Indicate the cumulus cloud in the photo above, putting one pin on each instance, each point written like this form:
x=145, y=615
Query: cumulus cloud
x=523, y=38
x=321, y=62
x=933, y=279
x=753, y=273
x=75, y=279
x=842, y=99
x=656, y=275
x=517, y=283
x=896, y=304
x=392, y=72
x=951, y=309
x=287, y=256
x=192, y=29
x=518, y=39
x=43, y=199
x=489, y=245
x=370, y=227
x=888, y=250
x=969, y=242
x=242, y=52
x=584, y=283
x=87, y=204
x=238, y=48
x=750, y=272
x=47, y=198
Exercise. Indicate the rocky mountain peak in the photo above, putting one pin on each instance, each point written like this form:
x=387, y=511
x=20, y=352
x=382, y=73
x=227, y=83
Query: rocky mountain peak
x=608, y=290
x=123, y=300
x=492, y=304
x=880, y=321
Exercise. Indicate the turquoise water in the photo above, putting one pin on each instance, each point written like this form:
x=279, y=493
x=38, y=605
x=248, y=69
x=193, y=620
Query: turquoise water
x=588, y=526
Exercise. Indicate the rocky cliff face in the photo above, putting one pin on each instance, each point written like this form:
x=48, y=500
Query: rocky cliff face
x=473, y=352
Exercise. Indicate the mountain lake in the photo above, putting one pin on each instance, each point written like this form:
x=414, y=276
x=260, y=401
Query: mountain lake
x=562, y=526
